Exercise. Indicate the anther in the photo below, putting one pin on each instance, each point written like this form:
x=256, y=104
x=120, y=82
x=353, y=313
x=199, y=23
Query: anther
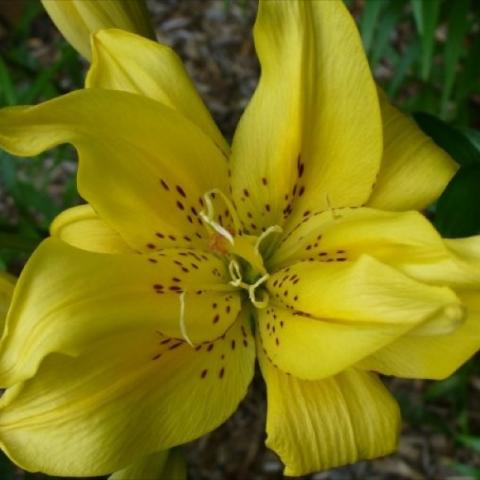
x=251, y=293
x=208, y=217
x=183, y=327
x=236, y=275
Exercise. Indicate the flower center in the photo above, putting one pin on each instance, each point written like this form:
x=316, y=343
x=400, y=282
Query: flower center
x=243, y=252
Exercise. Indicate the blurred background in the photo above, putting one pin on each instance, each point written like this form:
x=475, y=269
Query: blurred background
x=426, y=56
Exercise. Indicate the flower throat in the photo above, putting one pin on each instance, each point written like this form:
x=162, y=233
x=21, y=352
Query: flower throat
x=246, y=263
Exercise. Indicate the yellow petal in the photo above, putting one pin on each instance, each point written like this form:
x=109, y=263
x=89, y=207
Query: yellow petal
x=457, y=265
x=142, y=166
x=129, y=62
x=434, y=357
x=77, y=19
x=81, y=227
x=341, y=234
x=404, y=240
x=67, y=298
x=318, y=425
x=7, y=284
x=326, y=317
x=364, y=290
x=128, y=396
x=166, y=465
x=414, y=170
x=311, y=135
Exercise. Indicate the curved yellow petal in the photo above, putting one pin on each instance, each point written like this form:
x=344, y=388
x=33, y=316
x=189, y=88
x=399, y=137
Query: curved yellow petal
x=166, y=465
x=318, y=425
x=414, y=170
x=142, y=166
x=7, y=284
x=311, y=135
x=81, y=227
x=433, y=357
x=360, y=291
x=324, y=318
x=457, y=265
x=404, y=240
x=129, y=62
x=77, y=19
x=66, y=299
x=128, y=396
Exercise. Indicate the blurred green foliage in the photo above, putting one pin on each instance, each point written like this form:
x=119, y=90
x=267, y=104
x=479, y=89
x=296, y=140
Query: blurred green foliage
x=25, y=79
x=424, y=53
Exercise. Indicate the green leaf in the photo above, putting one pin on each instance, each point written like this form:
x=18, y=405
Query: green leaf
x=457, y=29
x=368, y=21
x=7, y=89
x=470, y=441
x=30, y=200
x=458, y=209
x=453, y=141
x=389, y=18
x=406, y=61
x=417, y=9
x=467, y=471
x=23, y=27
x=8, y=172
x=7, y=468
x=467, y=80
x=445, y=387
x=40, y=84
x=472, y=135
x=12, y=241
x=426, y=13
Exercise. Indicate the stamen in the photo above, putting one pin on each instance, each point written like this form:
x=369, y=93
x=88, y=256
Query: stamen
x=183, y=327
x=261, y=303
x=234, y=270
x=251, y=293
x=229, y=205
x=208, y=217
x=265, y=234
x=216, y=226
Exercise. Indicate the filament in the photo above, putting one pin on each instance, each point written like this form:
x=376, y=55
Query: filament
x=183, y=327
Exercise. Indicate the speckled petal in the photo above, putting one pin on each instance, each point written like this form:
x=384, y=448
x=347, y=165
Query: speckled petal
x=142, y=166
x=66, y=299
x=126, y=397
x=311, y=135
x=404, y=240
x=325, y=317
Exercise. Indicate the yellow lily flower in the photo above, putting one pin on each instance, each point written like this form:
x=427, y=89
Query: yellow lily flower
x=77, y=19
x=134, y=328
x=7, y=284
